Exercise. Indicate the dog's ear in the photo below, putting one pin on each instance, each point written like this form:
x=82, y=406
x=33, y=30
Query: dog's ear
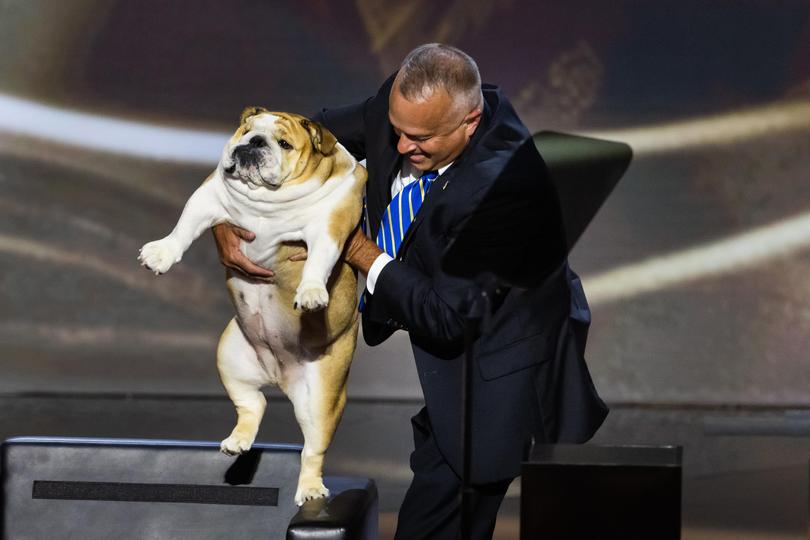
x=322, y=139
x=251, y=111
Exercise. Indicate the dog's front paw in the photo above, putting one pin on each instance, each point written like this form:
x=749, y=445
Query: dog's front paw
x=310, y=490
x=160, y=255
x=235, y=445
x=311, y=297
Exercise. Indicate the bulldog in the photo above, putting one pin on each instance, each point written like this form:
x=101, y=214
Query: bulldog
x=288, y=180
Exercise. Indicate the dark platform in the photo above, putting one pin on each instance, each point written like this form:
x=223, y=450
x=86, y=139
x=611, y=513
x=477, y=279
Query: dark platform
x=609, y=492
x=139, y=489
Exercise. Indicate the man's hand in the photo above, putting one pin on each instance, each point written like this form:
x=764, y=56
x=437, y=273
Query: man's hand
x=228, y=238
x=360, y=252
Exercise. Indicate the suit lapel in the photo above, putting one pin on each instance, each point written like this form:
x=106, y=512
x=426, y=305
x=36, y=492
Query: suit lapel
x=378, y=194
x=437, y=192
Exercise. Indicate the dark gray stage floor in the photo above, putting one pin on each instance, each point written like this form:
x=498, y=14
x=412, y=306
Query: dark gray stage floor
x=745, y=471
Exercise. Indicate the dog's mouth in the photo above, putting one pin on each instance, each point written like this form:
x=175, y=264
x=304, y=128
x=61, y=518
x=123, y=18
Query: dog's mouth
x=252, y=176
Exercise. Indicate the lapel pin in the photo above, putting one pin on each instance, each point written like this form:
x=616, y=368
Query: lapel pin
x=445, y=184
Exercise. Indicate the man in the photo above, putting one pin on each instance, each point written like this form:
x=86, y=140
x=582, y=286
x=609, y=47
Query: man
x=433, y=128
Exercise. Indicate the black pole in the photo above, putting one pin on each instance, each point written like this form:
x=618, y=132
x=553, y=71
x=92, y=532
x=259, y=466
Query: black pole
x=478, y=307
x=470, y=329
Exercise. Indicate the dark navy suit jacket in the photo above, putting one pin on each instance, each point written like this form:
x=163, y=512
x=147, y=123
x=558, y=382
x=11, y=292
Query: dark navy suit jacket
x=530, y=378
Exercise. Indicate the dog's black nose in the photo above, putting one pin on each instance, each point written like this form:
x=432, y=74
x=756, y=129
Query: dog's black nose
x=258, y=141
x=247, y=154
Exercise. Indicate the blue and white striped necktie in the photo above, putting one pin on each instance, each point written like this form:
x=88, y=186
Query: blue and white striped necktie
x=401, y=211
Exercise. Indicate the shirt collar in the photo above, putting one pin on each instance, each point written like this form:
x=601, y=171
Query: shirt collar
x=410, y=170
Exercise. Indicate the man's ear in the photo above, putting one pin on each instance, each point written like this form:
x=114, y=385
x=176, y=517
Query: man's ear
x=251, y=111
x=472, y=120
x=322, y=139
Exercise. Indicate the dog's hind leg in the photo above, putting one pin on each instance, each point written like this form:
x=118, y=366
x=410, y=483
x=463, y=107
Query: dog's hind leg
x=243, y=377
x=319, y=400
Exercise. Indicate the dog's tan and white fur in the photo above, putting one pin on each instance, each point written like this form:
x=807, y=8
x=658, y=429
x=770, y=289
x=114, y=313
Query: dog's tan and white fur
x=288, y=180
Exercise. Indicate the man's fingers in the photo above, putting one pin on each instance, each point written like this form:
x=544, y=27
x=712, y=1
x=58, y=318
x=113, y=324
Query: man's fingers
x=250, y=268
x=244, y=234
x=228, y=238
x=299, y=257
x=242, y=272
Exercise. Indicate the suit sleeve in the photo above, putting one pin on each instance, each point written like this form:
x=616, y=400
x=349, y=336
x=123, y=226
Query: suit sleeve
x=348, y=125
x=352, y=124
x=425, y=306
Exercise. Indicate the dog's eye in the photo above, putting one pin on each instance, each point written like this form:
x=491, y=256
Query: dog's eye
x=284, y=144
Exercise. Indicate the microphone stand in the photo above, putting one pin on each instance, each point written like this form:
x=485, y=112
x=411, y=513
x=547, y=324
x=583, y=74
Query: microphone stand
x=477, y=309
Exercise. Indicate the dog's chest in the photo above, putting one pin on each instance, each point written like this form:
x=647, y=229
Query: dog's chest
x=287, y=223
x=270, y=233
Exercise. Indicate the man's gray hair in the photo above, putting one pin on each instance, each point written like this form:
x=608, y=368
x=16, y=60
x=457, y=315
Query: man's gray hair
x=436, y=65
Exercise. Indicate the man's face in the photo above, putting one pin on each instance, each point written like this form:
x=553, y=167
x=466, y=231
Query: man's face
x=433, y=132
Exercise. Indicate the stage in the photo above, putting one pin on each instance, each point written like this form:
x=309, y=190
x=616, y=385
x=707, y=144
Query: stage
x=745, y=473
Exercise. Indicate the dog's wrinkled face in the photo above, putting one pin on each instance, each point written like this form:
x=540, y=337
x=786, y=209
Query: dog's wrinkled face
x=272, y=149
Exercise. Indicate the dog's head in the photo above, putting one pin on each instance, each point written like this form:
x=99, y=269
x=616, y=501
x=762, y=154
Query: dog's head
x=274, y=149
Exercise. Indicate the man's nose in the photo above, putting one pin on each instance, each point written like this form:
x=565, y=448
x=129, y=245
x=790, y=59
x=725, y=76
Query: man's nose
x=405, y=145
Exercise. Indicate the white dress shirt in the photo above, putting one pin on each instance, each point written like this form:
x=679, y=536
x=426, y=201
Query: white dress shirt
x=406, y=175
